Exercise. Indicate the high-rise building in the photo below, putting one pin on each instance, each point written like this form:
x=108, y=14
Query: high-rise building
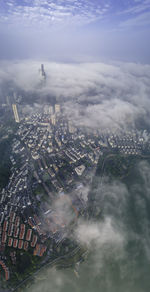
x=57, y=108
x=51, y=110
x=46, y=109
x=53, y=120
x=72, y=129
x=15, y=111
x=42, y=71
x=15, y=96
x=8, y=100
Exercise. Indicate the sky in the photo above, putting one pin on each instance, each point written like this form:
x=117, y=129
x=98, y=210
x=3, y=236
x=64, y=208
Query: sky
x=75, y=30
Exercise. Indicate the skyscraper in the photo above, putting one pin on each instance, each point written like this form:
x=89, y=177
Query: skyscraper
x=51, y=110
x=42, y=71
x=53, y=120
x=57, y=108
x=15, y=111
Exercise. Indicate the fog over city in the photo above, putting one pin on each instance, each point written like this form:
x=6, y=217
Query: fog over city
x=96, y=57
x=96, y=95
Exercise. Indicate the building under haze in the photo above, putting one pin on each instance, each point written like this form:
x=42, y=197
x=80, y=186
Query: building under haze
x=42, y=72
x=51, y=110
x=57, y=108
x=53, y=120
x=15, y=111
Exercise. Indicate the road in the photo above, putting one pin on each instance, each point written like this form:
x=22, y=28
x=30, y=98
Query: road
x=50, y=264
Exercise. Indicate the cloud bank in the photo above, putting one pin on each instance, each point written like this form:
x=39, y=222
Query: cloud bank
x=101, y=96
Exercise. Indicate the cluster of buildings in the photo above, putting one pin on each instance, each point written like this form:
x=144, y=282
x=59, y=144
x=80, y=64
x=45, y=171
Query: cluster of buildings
x=16, y=195
x=52, y=145
x=50, y=152
x=15, y=234
x=19, y=236
x=52, y=142
x=128, y=144
x=40, y=250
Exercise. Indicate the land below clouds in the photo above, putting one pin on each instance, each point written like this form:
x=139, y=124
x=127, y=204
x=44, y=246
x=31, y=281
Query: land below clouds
x=117, y=240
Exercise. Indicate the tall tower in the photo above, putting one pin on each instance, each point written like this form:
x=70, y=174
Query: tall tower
x=43, y=72
x=15, y=111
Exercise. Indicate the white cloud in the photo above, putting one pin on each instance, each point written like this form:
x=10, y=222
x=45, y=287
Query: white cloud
x=48, y=13
x=101, y=235
x=137, y=20
x=65, y=11
x=138, y=6
x=136, y=15
x=94, y=94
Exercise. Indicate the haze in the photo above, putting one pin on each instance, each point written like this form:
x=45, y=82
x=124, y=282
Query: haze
x=76, y=31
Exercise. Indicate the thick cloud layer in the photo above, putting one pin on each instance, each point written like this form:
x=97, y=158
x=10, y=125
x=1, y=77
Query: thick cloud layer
x=97, y=95
x=99, y=234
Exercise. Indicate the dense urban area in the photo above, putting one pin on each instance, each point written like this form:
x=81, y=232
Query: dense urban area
x=49, y=169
